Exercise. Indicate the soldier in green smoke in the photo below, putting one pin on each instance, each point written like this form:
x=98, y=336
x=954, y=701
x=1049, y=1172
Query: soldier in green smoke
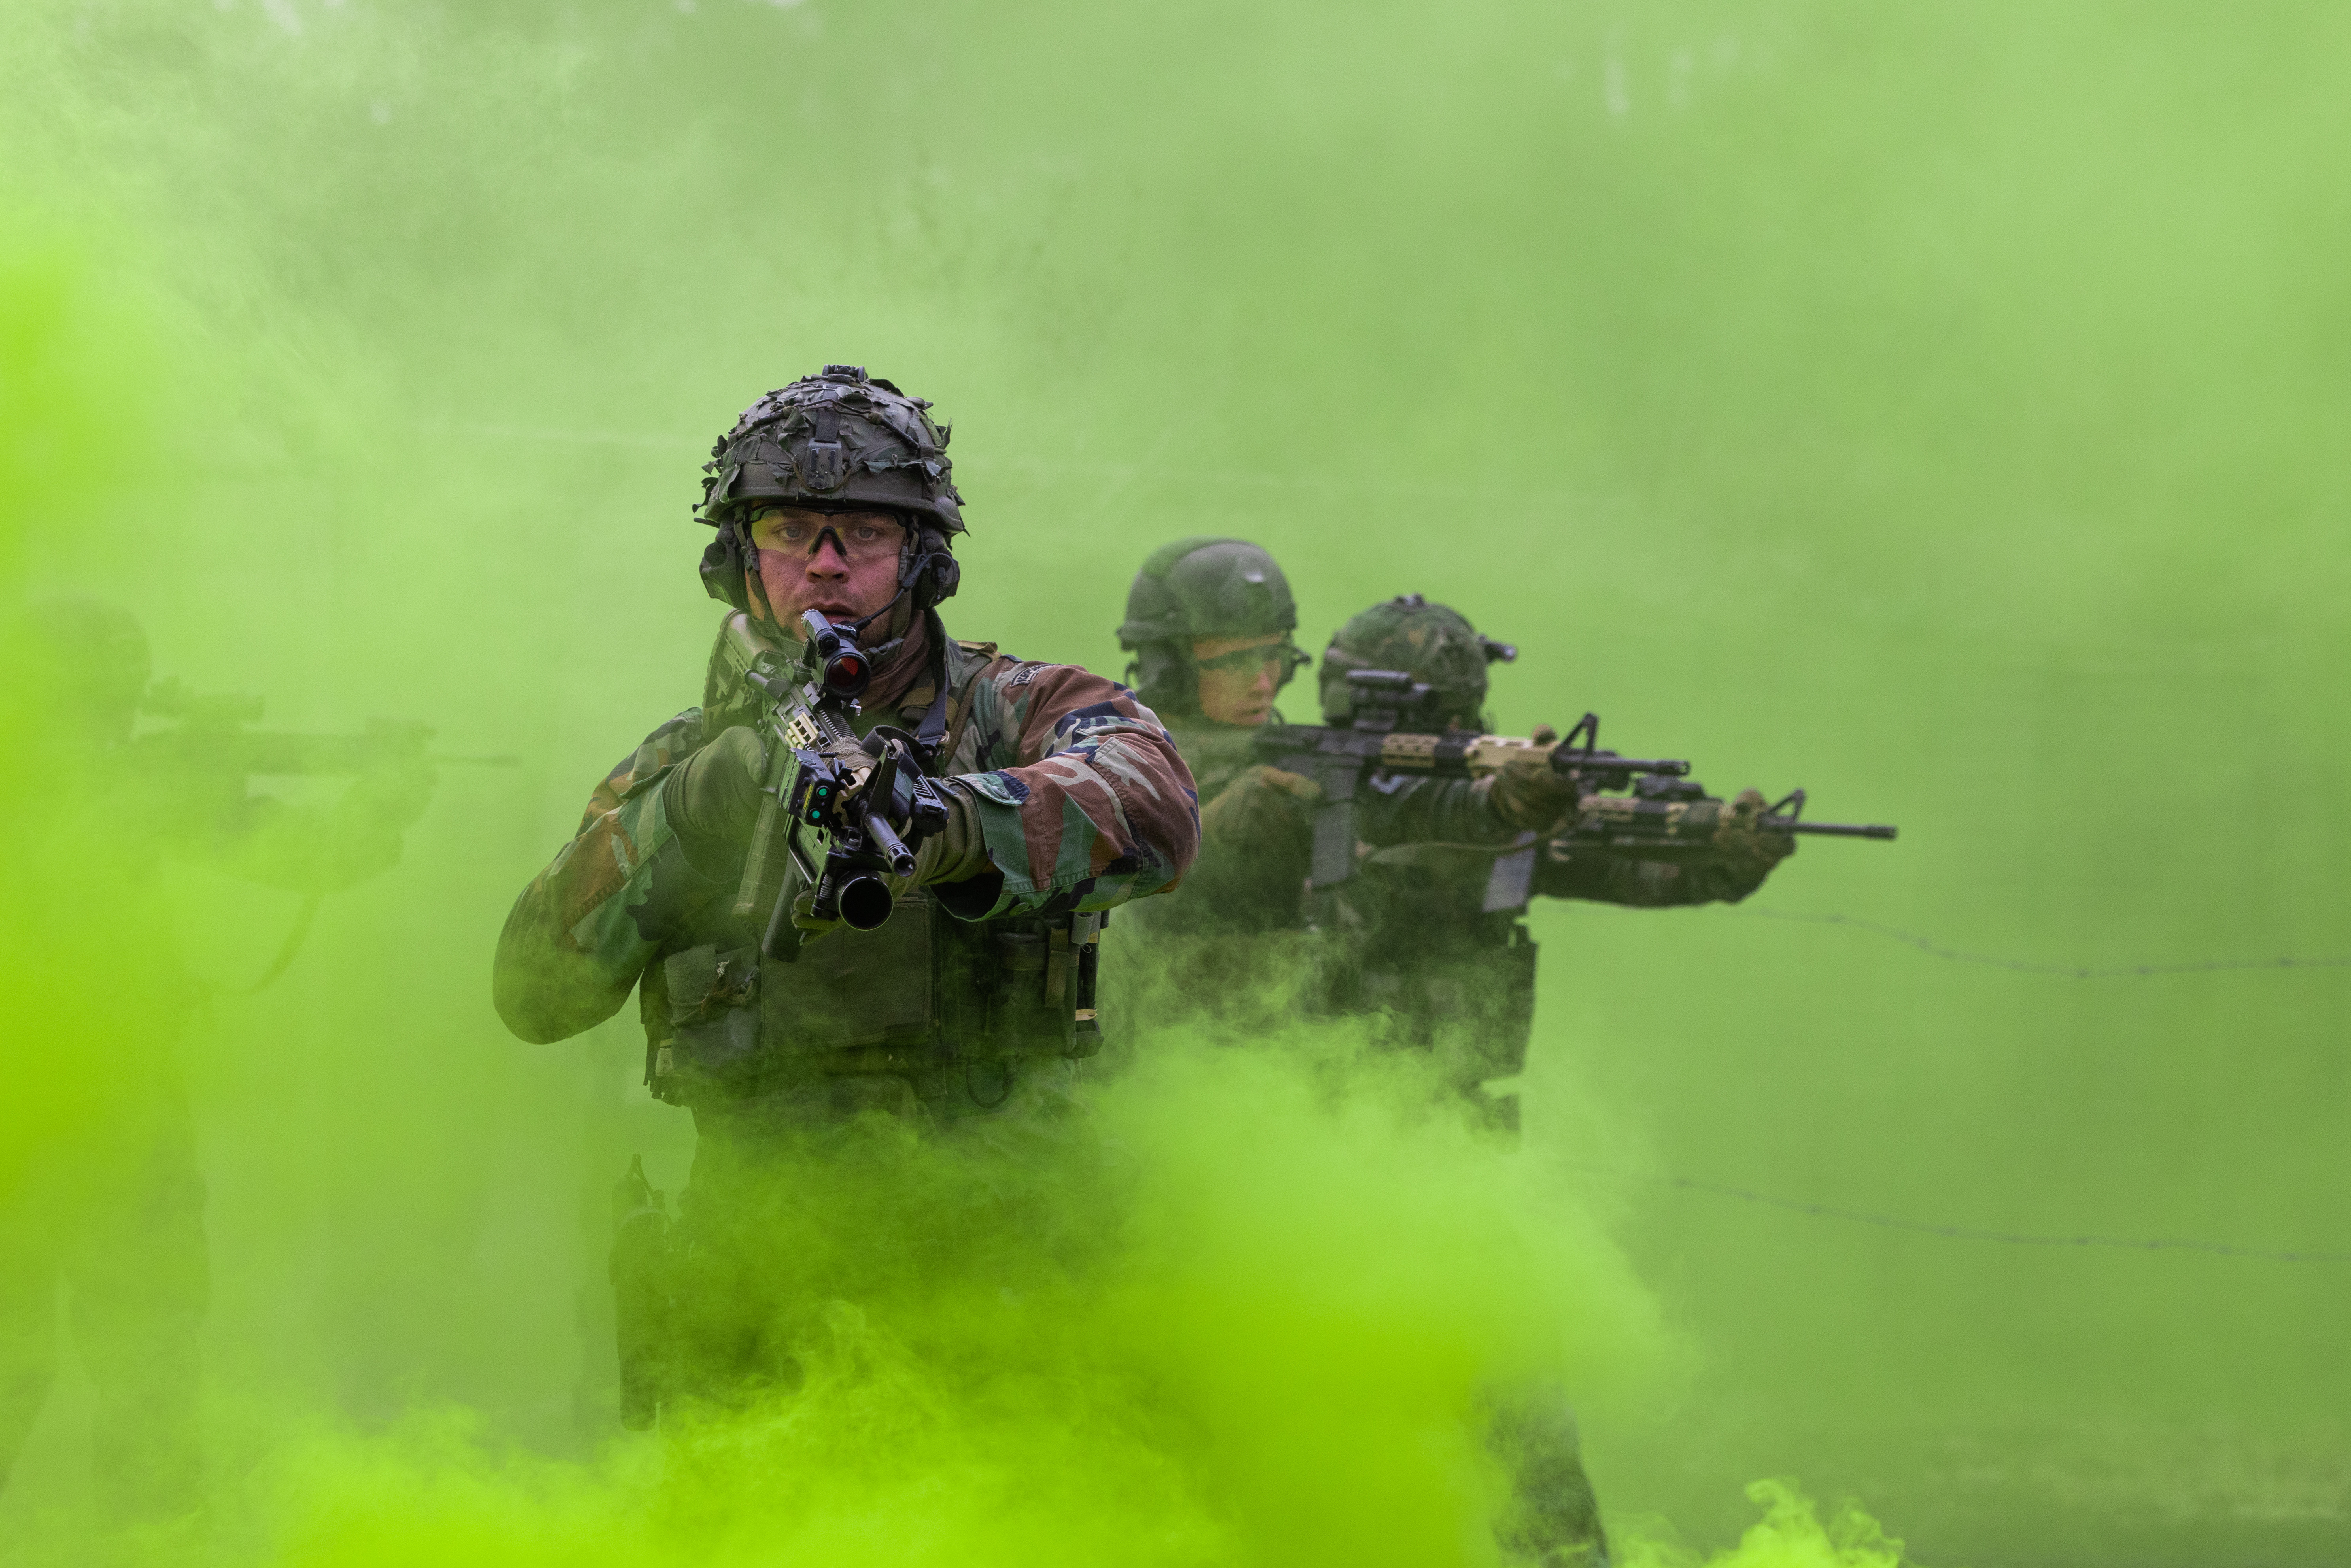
x=1417, y=940
x=1427, y=938
x=104, y=1197
x=961, y=1010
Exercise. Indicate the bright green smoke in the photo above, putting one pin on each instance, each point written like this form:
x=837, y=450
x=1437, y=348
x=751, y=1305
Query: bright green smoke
x=1932, y=407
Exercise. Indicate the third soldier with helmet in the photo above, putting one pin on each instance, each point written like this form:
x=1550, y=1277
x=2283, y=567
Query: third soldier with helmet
x=1418, y=928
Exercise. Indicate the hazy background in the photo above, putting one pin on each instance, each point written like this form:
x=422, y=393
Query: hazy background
x=1939, y=407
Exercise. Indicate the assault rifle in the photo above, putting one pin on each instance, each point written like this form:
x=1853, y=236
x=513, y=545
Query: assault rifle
x=1668, y=819
x=1658, y=818
x=839, y=812
x=208, y=736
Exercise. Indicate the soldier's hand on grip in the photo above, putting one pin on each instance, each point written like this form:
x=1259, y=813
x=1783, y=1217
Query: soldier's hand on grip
x=1262, y=807
x=1743, y=847
x=363, y=839
x=804, y=914
x=712, y=799
x=396, y=790
x=1528, y=794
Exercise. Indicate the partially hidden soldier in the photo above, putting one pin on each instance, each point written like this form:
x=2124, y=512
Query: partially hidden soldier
x=109, y=1202
x=1427, y=938
x=1065, y=800
x=1209, y=622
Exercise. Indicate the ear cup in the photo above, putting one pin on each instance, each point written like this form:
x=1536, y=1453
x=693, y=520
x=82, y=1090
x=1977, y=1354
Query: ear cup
x=1167, y=679
x=943, y=574
x=722, y=568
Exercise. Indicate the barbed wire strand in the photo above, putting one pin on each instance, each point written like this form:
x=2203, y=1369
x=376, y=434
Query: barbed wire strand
x=1967, y=1232
x=1934, y=950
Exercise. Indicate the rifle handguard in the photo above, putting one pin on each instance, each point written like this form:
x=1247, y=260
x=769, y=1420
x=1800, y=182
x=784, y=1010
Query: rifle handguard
x=763, y=866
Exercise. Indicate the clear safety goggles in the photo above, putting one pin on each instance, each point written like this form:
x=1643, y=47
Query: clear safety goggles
x=1288, y=654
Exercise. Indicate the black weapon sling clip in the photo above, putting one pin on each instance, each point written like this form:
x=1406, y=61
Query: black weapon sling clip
x=933, y=729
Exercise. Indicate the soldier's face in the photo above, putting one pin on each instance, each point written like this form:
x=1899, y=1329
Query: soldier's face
x=1238, y=676
x=843, y=565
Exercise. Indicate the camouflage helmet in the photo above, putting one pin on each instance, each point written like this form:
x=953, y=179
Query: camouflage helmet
x=836, y=440
x=1203, y=586
x=1435, y=643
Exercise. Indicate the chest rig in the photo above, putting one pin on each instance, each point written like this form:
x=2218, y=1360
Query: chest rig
x=923, y=997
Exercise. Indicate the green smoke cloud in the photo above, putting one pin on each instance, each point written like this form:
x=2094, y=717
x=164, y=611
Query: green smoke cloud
x=1934, y=409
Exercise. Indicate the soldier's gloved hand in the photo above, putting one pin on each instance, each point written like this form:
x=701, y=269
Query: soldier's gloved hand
x=1746, y=850
x=955, y=853
x=1259, y=810
x=364, y=827
x=804, y=916
x=711, y=798
x=1528, y=794
x=394, y=793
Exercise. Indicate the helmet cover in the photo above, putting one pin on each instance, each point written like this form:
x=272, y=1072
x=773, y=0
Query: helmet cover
x=839, y=439
x=1435, y=643
x=1207, y=586
x=1199, y=587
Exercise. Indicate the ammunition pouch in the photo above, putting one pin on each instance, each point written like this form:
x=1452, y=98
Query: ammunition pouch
x=921, y=992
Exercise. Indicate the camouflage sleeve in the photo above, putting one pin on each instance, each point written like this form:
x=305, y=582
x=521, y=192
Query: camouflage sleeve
x=1083, y=801
x=1397, y=809
x=587, y=926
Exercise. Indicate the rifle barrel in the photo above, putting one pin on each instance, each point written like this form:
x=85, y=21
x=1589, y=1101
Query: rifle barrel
x=894, y=853
x=1576, y=762
x=1832, y=829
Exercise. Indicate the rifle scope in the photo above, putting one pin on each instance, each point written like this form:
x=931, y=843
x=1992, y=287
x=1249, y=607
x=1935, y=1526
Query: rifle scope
x=843, y=666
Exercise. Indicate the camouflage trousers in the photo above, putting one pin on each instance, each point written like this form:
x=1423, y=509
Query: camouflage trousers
x=1553, y=1519
x=117, y=1218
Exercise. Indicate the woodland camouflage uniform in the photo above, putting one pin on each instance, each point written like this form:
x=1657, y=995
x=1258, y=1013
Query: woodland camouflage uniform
x=1428, y=935
x=1425, y=938
x=1085, y=806
x=1228, y=948
x=956, y=1013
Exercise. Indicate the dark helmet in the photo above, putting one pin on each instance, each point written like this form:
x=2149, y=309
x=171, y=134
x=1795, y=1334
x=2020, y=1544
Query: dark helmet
x=82, y=662
x=1433, y=643
x=836, y=441
x=1205, y=586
